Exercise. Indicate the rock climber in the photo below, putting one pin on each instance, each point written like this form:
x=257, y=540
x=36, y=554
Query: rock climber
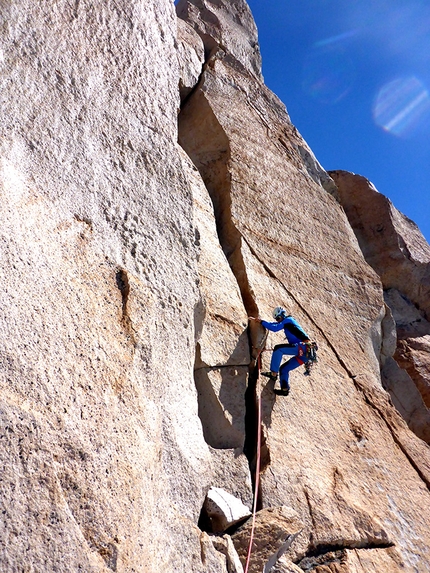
x=297, y=346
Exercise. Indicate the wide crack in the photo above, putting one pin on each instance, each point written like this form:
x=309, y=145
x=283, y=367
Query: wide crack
x=204, y=140
x=331, y=555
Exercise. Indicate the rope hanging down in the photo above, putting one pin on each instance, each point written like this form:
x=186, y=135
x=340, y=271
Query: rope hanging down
x=258, y=461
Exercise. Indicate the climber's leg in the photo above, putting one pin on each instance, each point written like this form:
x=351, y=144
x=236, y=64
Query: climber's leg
x=285, y=370
x=279, y=351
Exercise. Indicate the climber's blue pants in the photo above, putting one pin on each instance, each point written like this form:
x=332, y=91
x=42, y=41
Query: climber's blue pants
x=282, y=350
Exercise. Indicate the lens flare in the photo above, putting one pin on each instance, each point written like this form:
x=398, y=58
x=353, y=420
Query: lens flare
x=336, y=39
x=328, y=73
x=402, y=106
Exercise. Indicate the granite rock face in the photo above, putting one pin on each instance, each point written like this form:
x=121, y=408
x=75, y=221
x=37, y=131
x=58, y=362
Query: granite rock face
x=253, y=163
x=191, y=57
x=391, y=243
x=225, y=26
x=224, y=510
x=275, y=529
x=129, y=267
x=395, y=248
x=99, y=410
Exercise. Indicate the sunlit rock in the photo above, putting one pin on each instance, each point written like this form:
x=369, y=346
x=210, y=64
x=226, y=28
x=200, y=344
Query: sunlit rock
x=129, y=379
x=223, y=509
x=225, y=545
x=191, y=55
x=275, y=529
x=231, y=472
x=99, y=417
x=335, y=427
x=395, y=248
x=225, y=26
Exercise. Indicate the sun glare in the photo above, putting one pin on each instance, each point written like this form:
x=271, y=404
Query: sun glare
x=328, y=72
x=402, y=106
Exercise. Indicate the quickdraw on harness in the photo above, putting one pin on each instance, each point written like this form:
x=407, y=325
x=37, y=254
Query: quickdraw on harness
x=310, y=354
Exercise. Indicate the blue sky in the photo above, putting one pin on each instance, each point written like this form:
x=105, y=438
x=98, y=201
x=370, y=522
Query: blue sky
x=355, y=78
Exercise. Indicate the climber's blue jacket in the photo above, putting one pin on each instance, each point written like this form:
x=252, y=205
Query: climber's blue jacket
x=293, y=331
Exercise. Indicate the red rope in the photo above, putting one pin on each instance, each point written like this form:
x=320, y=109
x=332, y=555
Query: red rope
x=258, y=464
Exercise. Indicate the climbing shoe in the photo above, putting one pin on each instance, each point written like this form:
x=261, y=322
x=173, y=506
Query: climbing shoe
x=271, y=376
x=282, y=391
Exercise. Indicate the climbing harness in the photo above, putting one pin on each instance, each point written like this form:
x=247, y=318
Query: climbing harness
x=307, y=350
x=258, y=461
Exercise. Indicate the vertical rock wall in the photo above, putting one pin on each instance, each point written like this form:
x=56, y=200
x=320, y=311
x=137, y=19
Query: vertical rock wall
x=129, y=267
x=335, y=450
x=104, y=463
x=393, y=245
